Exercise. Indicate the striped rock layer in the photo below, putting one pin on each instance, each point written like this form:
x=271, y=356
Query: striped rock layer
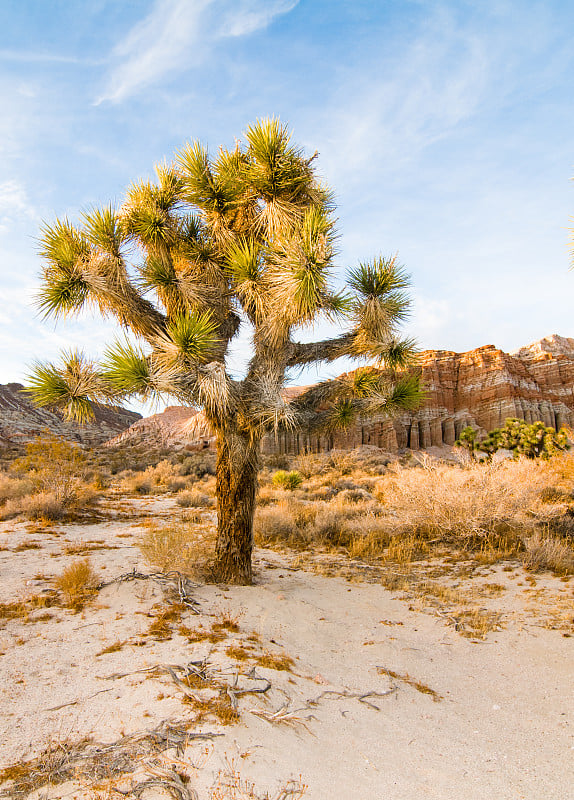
x=481, y=387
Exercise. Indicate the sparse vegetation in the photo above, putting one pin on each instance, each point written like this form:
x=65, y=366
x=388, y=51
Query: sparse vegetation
x=77, y=584
x=533, y=440
x=171, y=546
x=287, y=480
x=51, y=481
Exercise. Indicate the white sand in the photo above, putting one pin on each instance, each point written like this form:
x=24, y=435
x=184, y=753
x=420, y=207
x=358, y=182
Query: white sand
x=503, y=730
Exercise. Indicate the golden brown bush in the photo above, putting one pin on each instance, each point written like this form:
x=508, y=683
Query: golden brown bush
x=194, y=499
x=77, y=583
x=544, y=551
x=178, y=546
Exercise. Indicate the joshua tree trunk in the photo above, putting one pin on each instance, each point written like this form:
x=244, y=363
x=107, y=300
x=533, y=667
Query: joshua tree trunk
x=237, y=466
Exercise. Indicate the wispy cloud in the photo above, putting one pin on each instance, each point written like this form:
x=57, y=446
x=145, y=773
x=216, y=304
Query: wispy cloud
x=178, y=34
x=387, y=112
x=14, y=205
x=32, y=57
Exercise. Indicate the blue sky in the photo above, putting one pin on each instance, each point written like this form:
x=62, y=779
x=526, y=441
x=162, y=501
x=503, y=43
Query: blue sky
x=445, y=128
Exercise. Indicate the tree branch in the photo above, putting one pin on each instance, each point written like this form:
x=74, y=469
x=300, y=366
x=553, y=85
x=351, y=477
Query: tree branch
x=327, y=350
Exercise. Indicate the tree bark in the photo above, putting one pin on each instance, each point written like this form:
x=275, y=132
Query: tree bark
x=236, y=487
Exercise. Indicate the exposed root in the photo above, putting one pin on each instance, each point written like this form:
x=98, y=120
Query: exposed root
x=179, y=583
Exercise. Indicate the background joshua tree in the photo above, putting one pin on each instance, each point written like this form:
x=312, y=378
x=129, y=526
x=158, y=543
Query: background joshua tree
x=244, y=239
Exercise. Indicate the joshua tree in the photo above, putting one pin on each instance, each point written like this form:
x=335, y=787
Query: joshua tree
x=244, y=239
x=533, y=440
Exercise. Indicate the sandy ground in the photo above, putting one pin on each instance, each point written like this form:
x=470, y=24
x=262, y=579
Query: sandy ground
x=500, y=724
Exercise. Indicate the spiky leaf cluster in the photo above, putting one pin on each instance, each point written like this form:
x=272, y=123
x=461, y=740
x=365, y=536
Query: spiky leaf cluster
x=247, y=235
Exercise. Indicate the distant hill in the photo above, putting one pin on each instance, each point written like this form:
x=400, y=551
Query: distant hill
x=21, y=421
x=172, y=428
x=480, y=387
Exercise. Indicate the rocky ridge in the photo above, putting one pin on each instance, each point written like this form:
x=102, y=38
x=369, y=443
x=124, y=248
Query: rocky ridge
x=173, y=428
x=21, y=421
x=481, y=388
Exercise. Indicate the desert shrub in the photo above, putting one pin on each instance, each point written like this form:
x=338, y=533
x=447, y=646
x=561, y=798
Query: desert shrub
x=276, y=461
x=368, y=535
x=266, y=495
x=177, y=485
x=309, y=464
x=444, y=501
x=138, y=484
x=58, y=480
x=178, y=547
x=533, y=440
x=543, y=551
x=194, y=499
x=44, y=505
x=162, y=474
x=298, y=524
x=197, y=465
x=276, y=525
x=13, y=488
x=354, y=495
x=54, y=465
x=77, y=583
x=287, y=480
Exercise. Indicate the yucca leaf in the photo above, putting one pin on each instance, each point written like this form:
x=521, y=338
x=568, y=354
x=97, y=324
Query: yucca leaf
x=245, y=267
x=337, y=305
x=277, y=169
x=341, y=415
x=378, y=279
x=104, y=229
x=395, y=353
x=405, y=395
x=151, y=225
x=190, y=339
x=61, y=293
x=62, y=245
x=71, y=388
x=167, y=194
x=190, y=229
x=126, y=371
x=365, y=382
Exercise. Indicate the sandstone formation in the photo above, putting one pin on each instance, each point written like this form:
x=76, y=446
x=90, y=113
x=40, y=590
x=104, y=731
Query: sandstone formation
x=482, y=388
x=21, y=421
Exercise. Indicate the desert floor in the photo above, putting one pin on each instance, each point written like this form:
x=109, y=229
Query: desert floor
x=384, y=698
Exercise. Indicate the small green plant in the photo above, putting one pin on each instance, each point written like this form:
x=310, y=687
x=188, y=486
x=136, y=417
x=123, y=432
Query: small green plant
x=287, y=480
x=533, y=440
x=468, y=441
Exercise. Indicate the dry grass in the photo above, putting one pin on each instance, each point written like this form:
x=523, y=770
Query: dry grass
x=416, y=684
x=544, y=551
x=77, y=584
x=178, y=546
x=231, y=786
x=485, y=511
x=238, y=652
x=476, y=623
x=453, y=502
x=201, y=634
x=218, y=707
x=161, y=627
x=194, y=499
x=281, y=662
x=111, y=648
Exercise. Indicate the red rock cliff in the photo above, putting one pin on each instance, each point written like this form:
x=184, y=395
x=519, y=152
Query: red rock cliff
x=482, y=387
